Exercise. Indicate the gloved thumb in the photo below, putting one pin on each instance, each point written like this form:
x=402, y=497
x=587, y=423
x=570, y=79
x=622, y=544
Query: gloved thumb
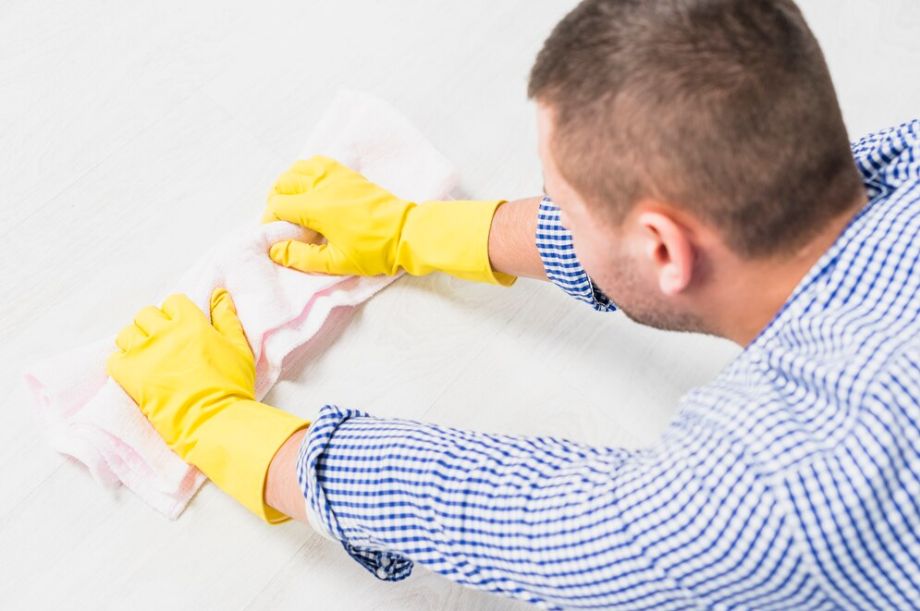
x=225, y=320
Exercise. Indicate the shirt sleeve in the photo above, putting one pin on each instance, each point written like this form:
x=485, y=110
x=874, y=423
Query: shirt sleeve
x=548, y=521
x=554, y=243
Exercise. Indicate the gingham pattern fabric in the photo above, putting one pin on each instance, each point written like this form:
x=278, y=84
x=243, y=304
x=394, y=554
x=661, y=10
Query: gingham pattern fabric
x=791, y=481
x=554, y=243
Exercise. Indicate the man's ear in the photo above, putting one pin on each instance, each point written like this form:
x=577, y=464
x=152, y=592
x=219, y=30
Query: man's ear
x=669, y=249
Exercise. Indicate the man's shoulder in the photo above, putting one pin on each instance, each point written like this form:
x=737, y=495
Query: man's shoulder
x=861, y=301
x=797, y=390
x=791, y=412
x=889, y=159
x=838, y=369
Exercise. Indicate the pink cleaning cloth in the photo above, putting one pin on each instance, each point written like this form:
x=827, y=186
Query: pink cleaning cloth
x=84, y=413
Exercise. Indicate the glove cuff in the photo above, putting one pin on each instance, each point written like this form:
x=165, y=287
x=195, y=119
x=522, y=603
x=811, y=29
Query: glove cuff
x=235, y=448
x=451, y=237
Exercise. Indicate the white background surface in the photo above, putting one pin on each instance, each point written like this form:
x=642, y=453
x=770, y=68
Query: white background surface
x=134, y=134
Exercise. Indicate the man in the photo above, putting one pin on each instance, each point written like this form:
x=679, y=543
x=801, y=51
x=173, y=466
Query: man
x=704, y=182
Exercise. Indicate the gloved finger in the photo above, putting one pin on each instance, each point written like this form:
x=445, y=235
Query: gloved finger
x=224, y=318
x=314, y=168
x=268, y=216
x=113, y=364
x=150, y=319
x=293, y=209
x=118, y=368
x=294, y=183
x=311, y=234
x=309, y=258
x=180, y=306
x=130, y=337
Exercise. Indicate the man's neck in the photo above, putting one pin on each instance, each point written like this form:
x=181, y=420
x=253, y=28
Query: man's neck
x=757, y=292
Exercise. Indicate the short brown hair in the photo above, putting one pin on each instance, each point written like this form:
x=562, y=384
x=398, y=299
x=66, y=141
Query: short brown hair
x=721, y=107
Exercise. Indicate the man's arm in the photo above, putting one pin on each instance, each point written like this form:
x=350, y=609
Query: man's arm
x=551, y=522
x=282, y=492
x=512, y=249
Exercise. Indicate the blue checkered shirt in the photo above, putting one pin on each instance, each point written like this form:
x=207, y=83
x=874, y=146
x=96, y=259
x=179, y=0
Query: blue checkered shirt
x=791, y=481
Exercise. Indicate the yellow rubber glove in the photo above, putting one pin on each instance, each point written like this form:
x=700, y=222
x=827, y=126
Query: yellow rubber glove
x=370, y=231
x=195, y=382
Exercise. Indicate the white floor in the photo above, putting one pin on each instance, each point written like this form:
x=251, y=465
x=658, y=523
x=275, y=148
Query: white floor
x=134, y=134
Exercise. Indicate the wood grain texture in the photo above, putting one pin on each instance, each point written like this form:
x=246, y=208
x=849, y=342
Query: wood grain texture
x=134, y=135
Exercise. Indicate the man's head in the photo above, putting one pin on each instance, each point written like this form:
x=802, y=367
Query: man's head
x=676, y=135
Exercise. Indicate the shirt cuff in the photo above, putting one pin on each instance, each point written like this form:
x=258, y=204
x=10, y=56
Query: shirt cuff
x=554, y=244
x=384, y=565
